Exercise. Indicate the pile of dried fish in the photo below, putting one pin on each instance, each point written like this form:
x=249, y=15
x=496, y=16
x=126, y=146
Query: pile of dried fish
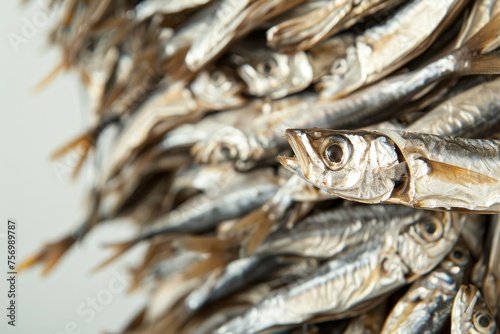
x=394, y=104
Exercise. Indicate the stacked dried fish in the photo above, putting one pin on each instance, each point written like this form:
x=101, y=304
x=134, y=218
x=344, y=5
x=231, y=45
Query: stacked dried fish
x=394, y=104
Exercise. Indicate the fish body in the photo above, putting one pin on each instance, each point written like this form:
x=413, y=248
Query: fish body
x=269, y=73
x=473, y=113
x=470, y=315
x=202, y=212
x=355, y=277
x=303, y=32
x=365, y=107
x=382, y=49
x=329, y=233
x=400, y=167
x=427, y=304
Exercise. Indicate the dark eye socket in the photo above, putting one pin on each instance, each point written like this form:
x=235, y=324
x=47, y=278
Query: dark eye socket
x=334, y=153
x=484, y=323
x=431, y=229
x=267, y=66
x=458, y=254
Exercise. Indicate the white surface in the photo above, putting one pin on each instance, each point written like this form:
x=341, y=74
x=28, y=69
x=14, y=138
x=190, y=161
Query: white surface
x=45, y=203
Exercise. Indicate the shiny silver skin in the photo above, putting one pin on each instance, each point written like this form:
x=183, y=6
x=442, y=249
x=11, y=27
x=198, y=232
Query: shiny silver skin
x=303, y=32
x=470, y=315
x=151, y=7
x=329, y=233
x=474, y=113
x=186, y=34
x=203, y=212
x=269, y=73
x=382, y=49
x=236, y=275
x=189, y=134
x=426, y=306
x=232, y=19
x=355, y=277
x=264, y=138
x=400, y=167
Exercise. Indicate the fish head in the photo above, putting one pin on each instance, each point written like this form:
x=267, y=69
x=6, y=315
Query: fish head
x=458, y=261
x=423, y=244
x=355, y=165
x=470, y=314
x=218, y=88
x=269, y=73
x=227, y=144
x=345, y=73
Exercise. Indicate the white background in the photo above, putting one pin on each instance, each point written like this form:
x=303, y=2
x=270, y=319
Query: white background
x=45, y=203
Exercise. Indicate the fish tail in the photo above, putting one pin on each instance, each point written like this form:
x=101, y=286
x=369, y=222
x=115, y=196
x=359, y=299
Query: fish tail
x=49, y=255
x=119, y=250
x=205, y=244
x=220, y=252
x=82, y=144
x=260, y=223
x=172, y=322
x=157, y=246
x=63, y=65
x=474, y=57
x=136, y=322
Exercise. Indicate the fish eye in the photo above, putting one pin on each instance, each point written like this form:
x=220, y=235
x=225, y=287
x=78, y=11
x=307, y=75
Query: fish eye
x=218, y=78
x=432, y=229
x=336, y=151
x=267, y=66
x=484, y=323
x=226, y=152
x=458, y=255
x=339, y=66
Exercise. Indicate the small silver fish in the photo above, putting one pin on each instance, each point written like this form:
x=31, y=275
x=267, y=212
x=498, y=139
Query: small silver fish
x=232, y=19
x=470, y=315
x=401, y=167
x=303, y=32
x=329, y=233
x=426, y=306
x=264, y=138
x=355, y=277
x=386, y=47
x=473, y=113
x=269, y=73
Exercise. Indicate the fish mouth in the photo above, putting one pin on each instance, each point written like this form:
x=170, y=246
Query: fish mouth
x=300, y=163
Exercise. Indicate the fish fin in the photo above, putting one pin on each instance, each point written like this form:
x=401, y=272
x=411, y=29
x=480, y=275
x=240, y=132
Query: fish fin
x=457, y=175
x=136, y=321
x=51, y=76
x=119, y=250
x=261, y=223
x=81, y=145
x=172, y=322
x=206, y=265
x=159, y=247
x=49, y=255
x=205, y=244
x=473, y=61
x=304, y=32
